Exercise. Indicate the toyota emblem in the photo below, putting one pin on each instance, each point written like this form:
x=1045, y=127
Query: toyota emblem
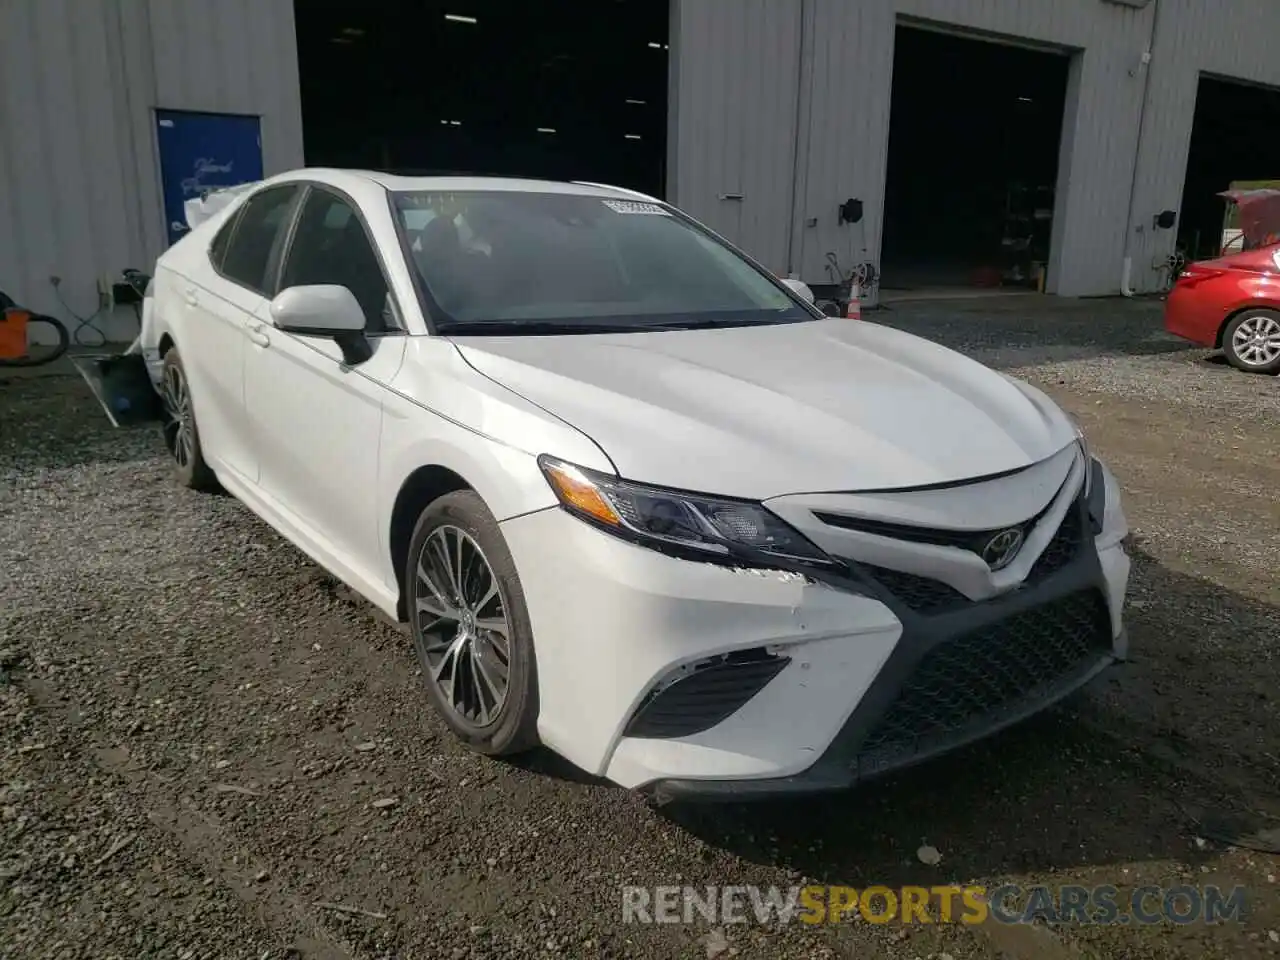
x=1000, y=550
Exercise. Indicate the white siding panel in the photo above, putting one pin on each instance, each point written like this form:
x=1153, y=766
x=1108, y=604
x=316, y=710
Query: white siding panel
x=846, y=82
x=734, y=118
x=79, y=80
x=1231, y=39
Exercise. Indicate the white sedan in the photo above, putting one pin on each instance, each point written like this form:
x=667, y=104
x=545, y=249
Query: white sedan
x=639, y=501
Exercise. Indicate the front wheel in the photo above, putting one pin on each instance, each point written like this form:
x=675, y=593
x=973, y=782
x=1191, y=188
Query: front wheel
x=470, y=626
x=1251, y=341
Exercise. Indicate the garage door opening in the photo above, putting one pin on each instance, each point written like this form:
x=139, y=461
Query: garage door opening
x=1232, y=142
x=974, y=131
x=573, y=90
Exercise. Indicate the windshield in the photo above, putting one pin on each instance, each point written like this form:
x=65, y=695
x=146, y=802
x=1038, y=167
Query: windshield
x=552, y=262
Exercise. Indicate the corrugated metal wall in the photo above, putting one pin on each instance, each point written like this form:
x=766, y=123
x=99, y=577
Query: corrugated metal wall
x=734, y=118
x=783, y=103
x=840, y=53
x=1229, y=39
x=79, y=79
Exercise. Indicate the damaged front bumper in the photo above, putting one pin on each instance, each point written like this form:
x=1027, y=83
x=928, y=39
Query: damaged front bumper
x=696, y=681
x=127, y=384
x=123, y=386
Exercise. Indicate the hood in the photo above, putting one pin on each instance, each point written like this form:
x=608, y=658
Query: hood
x=756, y=412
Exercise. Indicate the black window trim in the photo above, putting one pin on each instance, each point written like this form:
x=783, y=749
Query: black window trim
x=229, y=228
x=276, y=270
x=426, y=302
x=289, y=215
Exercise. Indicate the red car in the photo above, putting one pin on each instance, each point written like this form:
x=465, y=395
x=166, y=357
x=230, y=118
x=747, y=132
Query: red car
x=1233, y=302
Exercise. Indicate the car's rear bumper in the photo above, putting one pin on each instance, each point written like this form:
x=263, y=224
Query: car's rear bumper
x=1185, y=316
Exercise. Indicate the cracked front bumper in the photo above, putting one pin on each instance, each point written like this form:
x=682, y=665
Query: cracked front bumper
x=869, y=684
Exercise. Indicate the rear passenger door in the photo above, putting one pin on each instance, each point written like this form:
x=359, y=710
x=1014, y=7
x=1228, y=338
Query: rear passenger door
x=220, y=299
x=317, y=422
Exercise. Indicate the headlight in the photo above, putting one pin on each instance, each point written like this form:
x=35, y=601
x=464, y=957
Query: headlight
x=730, y=529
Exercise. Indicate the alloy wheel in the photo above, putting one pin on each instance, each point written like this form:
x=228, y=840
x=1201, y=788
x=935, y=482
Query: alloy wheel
x=1256, y=341
x=464, y=633
x=179, y=428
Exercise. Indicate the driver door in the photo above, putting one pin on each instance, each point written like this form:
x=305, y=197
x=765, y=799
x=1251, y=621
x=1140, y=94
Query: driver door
x=316, y=422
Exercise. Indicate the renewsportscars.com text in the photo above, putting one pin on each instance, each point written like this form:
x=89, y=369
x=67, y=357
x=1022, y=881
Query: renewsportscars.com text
x=1008, y=904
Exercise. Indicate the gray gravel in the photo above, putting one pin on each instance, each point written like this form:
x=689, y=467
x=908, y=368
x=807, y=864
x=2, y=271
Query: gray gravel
x=1110, y=346
x=198, y=727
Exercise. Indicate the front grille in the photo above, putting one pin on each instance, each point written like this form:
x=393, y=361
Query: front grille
x=921, y=594
x=979, y=679
x=1062, y=548
x=929, y=596
x=974, y=541
x=705, y=695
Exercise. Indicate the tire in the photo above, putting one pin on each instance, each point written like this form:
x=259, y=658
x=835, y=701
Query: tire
x=1251, y=341
x=461, y=660
x=181, y=437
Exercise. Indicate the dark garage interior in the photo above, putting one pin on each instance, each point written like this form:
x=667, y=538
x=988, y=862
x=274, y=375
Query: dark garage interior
x=574, y=89
x=974, y=130
x=1235, y=136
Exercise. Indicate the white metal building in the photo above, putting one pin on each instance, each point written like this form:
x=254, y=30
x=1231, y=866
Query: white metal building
x=777, y=111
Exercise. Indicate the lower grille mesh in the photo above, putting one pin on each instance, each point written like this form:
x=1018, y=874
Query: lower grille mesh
x=921, y=594
x=972, y=681
x=1062, y=548
x=705, y=696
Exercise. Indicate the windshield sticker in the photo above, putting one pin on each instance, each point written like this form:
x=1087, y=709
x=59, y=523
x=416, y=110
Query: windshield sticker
x=632, y=206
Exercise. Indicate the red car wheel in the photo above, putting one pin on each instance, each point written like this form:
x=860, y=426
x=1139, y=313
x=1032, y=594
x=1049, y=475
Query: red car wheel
x=1251, y=341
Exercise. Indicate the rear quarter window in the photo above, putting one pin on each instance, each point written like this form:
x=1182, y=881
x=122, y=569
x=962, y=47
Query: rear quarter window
x=222, y=239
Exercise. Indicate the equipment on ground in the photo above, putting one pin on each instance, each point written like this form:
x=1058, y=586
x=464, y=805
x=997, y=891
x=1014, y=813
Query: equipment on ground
x=15, y=341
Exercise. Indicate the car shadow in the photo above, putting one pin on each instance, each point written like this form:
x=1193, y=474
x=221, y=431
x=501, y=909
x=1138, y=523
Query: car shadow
x=1187, y=730
x=545, y=763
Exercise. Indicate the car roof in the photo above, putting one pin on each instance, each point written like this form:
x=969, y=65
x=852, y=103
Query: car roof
x=399, y=182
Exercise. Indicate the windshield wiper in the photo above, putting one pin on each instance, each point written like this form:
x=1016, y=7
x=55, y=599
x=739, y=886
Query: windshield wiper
x=463, y=328
x=736, y=322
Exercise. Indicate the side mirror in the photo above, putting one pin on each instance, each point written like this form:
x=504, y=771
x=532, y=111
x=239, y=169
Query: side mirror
x=324, y=310
x=798, y=287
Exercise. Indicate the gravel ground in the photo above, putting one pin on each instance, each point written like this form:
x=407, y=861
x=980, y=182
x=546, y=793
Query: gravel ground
x=197, y=725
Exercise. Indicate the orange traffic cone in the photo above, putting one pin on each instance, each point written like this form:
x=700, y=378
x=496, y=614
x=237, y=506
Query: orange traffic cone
x=854, y=309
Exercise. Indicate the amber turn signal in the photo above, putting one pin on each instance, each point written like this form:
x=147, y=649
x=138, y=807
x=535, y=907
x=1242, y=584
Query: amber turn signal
x=579, y=493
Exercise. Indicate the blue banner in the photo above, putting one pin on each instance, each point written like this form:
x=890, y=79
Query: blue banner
x=200, y=152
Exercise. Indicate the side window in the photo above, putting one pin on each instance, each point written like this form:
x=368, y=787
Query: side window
x=218, y=248
x=249, y=250
x=330, y=246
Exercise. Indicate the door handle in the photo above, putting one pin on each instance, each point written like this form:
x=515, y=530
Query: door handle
x=191, y=297
x=256, y=335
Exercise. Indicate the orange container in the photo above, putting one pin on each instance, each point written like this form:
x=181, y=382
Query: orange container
x=13, y=333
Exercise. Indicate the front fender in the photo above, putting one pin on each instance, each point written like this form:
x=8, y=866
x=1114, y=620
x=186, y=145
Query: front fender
x=439, y=411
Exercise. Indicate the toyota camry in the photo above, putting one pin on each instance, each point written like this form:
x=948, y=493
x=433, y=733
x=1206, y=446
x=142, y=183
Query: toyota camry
x=636, y=498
